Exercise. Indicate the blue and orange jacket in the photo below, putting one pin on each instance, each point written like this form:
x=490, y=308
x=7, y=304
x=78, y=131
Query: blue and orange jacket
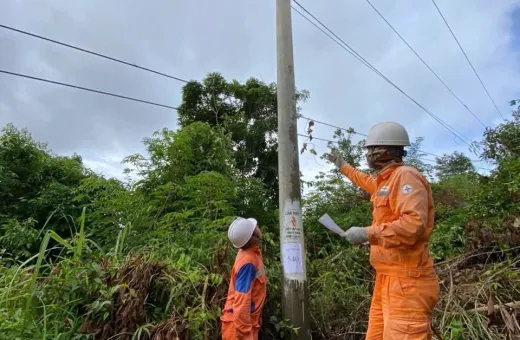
x=246, y=294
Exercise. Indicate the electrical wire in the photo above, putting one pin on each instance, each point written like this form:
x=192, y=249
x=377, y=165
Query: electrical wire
x=311, y=138
x=334, y=126
x=467, y=58
x=322, y=139
x=92, y=52
x=351, y=51
x=81, y=49
x=161, y=73
x=172, y=107
x=87, y=89
x=424, y=62
x=357, y=133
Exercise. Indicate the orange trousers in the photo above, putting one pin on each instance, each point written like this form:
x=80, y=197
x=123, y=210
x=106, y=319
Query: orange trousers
x=401, y=308
x=228, y=332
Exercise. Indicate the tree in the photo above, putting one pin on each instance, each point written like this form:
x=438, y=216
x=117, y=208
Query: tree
x=415, y=158
x=34, y=183
x=503, y=141
x=175, y=155
x=451, y=165
x=248, y=112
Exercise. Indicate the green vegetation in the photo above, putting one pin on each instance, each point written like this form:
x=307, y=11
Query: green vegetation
x=86, y=257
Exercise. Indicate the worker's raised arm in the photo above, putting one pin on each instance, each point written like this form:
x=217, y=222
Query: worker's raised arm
x=359, y=178
x=242, y=305
x=410, y=200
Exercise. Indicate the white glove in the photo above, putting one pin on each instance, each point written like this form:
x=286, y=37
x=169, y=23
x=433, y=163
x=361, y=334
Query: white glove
x=356, y=235
x=335, y=158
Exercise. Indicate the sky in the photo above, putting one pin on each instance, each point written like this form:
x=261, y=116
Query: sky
x=189, y=39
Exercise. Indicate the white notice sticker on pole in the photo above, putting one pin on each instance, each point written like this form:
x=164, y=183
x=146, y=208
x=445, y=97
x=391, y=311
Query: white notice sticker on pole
x=292, y=258
x=293, y=226
x=330, y=224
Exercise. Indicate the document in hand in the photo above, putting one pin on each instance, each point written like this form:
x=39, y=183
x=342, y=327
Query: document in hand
x=330, y=224
x=327, y=221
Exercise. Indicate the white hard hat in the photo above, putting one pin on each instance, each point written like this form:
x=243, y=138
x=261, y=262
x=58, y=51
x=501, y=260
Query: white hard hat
x=388, y=133
x=241, y=230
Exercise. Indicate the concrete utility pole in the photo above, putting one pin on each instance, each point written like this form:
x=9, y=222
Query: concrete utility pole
x=292, y=247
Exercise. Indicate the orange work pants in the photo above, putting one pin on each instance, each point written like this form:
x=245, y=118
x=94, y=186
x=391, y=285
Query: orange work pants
x=401, y=308
x=228, y=332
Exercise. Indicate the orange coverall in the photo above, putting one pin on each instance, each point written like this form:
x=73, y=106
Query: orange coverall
x=406, y=288
x=242, y=315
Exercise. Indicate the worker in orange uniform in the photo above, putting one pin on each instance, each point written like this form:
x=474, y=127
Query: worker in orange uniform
x=406, y=288
x=242, y=314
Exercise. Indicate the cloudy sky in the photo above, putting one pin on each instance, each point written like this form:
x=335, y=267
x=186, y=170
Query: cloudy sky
x=188, y=39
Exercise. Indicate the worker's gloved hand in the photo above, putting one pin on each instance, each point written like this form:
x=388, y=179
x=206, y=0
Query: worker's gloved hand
x=335, y=158
x=356, y=235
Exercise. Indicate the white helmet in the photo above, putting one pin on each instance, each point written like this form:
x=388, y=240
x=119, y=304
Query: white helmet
x=388, y=133
x=241, y=230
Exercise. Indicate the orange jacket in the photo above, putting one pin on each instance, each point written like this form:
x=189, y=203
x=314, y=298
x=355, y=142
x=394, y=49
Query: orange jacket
x=402, y=222
x=246, y=294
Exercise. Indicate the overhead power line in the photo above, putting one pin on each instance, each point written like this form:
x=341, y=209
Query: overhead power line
x=350, y=50
x=467, y=58
x=81, y=49
x=185, y=81
x=357, y=133
x=145, y=69
x=420, y=151
x=173, y=107
x=317, y=138
x=93, y=53
x=87, y=89
x=424, y=62
x=169, y=106
x=162, y=105
x=334, y=126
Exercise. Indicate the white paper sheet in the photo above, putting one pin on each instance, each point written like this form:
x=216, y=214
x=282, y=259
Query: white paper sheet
x=292, y=258
x=330, y=224
x=327, y=221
